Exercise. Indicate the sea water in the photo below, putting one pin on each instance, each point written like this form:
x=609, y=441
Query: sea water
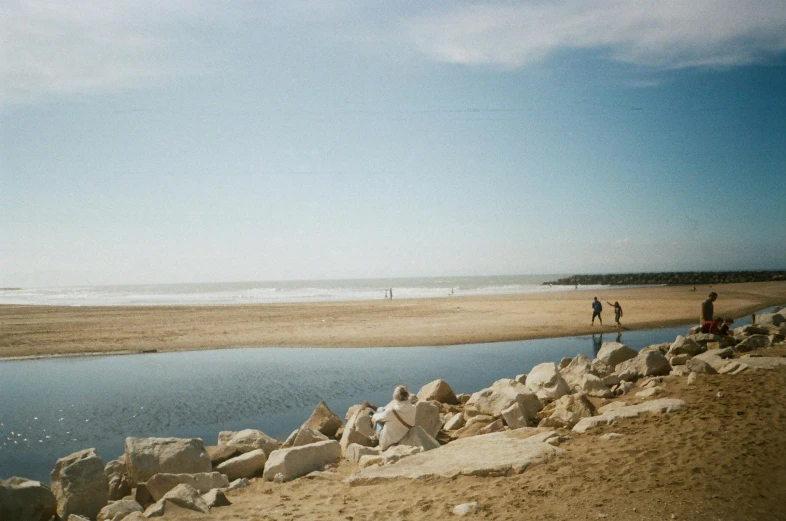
x=50, y=408
x=225, y=293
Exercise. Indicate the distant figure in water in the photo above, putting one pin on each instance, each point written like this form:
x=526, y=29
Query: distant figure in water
x=597, y=307
x=391, y=293
x=617, y=312
x=577, y=286
x=386, y=294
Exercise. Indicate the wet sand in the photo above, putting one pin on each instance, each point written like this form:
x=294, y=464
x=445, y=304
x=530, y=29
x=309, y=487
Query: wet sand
x=40, y=331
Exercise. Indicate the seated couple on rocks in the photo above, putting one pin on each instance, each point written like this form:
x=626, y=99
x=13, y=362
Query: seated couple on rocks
x=393, y=421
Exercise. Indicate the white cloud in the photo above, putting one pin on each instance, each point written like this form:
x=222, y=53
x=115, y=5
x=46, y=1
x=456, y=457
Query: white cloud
x=663, y=34
x=70, y=46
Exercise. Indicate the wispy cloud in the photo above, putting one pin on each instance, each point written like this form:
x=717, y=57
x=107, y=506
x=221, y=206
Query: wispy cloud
x=70, y=46
x=663, y=34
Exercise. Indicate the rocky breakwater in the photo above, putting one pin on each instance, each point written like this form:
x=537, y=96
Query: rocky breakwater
x=671, y=278
x=504, y=429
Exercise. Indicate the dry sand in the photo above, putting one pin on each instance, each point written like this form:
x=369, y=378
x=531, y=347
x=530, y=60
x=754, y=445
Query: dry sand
x=722, y=457
x=49, y=331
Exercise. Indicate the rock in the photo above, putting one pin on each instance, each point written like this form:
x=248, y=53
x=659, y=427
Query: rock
x=695, y=330
x=601, y=369
x=474, y=426
x=546, y=382
x=248, y=440
x=246, y=465
x=568, y=411
x=143, y=496
x=573, y=373
x=684, y=346
x=427, y=416
x=751, y=330
x=119, y=510
x=564, y=362
x=697, y=365
x=660, y=406
x=520, y=378
x=183, y=496
x=290, y=441
x=308, y=435
x=495, y=426
x=438, y=391
x=764, y=362
x=753, y=342
x=203, y=482
x=358, y=430
x=299, y=461
x=594, y=386
x=516, y=416
x=611, y=380
x=218, y=454
x=79, y=484
x=711, y=358
x=692, y=378
x=324, y=420
x=417, y=436
x=146, y=457
x=610, y=436
x=496, y=454
x=765, y=319
x=115, y=472
x=466, y=508
x=613, y=353
x=355, y=451
x=650, y=363
x=648, y=393
x=75, y=517
x=501, y=395
x=679, y=360
x=455, y=422
x=26, y=500
x=391, y=455
x=239, y=483
x=623, y=388
x=215, y=498
x=703, y=339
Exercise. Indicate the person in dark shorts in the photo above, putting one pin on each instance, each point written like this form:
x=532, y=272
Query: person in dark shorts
x=707, y=311
x=597, y=307
x=617, y=312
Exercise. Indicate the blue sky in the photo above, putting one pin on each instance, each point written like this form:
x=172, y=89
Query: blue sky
x=151, y=142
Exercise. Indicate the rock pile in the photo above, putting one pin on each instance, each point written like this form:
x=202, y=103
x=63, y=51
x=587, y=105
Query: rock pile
x=501, y=429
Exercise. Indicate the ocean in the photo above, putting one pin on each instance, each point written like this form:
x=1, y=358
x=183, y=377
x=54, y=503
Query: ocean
x=267, y=292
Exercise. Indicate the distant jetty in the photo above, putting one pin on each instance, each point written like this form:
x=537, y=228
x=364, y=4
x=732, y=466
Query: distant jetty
x=672, y=278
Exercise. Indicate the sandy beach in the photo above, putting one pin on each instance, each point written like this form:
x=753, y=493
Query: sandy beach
x=35, y=331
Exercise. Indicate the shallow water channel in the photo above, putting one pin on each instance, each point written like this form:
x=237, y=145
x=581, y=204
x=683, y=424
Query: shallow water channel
x=50, y=408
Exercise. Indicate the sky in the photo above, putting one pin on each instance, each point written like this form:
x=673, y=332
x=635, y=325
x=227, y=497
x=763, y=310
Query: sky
x=154, y=142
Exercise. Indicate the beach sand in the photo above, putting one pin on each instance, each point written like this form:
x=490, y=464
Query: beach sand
x=722, y=457
x=30, y=331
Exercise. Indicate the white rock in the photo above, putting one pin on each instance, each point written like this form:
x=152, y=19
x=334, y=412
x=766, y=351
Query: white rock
x=215, y=498
x=684, y=346
x=613, y=353
x=466, y=509
x=648, y=393
x=501, y=395
x=692, y=378
x=246, y=465
x=299, y=461
x=203, y=482
x=79, y=484
x=594, y=386
x=355, y=451
x=547, y=382
x=324, y=420
x=248, y=440
x=649, y=363
x=146, y=457
x=239, y=483
x=183, y=496
x=568, y=411
x=573, y=373
x=660, y=406
x=515, y=416
x=455, y=422
x=308, y=435
x=118, y=510
x=439, y=391
x=26, y=500
x=427, y=416
x=418, y=437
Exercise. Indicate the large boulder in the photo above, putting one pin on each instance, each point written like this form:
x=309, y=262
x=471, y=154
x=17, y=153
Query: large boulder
x=753, y=342
x=119, y=510
x=546, y=382
x=515, y=416
x=79, y=484
x=594, y=386
x=358, y=430
x=501, y=395
x=456, y=421
x=220, y=453
x=354, y=452
x=697, y=365
x=246, y=465
x=573, y=372
x=418, y=437
x=427, y=416
x=324, y=420
x=203, y=482
x=702, y=339
x=299, y=461
x=115, y=472
x=567, y=411
x=306, y=435
x=613, y=353
x=438, y=391
x=183, y=496
x=26, y=500
x=248, y=440
x=775, y=319
x=146, y=457
x=684, y=346
x=649, y=363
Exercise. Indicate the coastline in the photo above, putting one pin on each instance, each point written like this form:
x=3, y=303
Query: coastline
x=46, y=331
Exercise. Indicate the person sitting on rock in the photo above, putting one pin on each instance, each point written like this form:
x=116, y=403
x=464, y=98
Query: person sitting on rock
x=393, y=421
x=724, y=330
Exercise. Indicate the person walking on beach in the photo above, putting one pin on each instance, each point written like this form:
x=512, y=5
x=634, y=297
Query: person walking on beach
x=617, y=312
x=597, y=307
x=391, y=293
x=707, y=311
